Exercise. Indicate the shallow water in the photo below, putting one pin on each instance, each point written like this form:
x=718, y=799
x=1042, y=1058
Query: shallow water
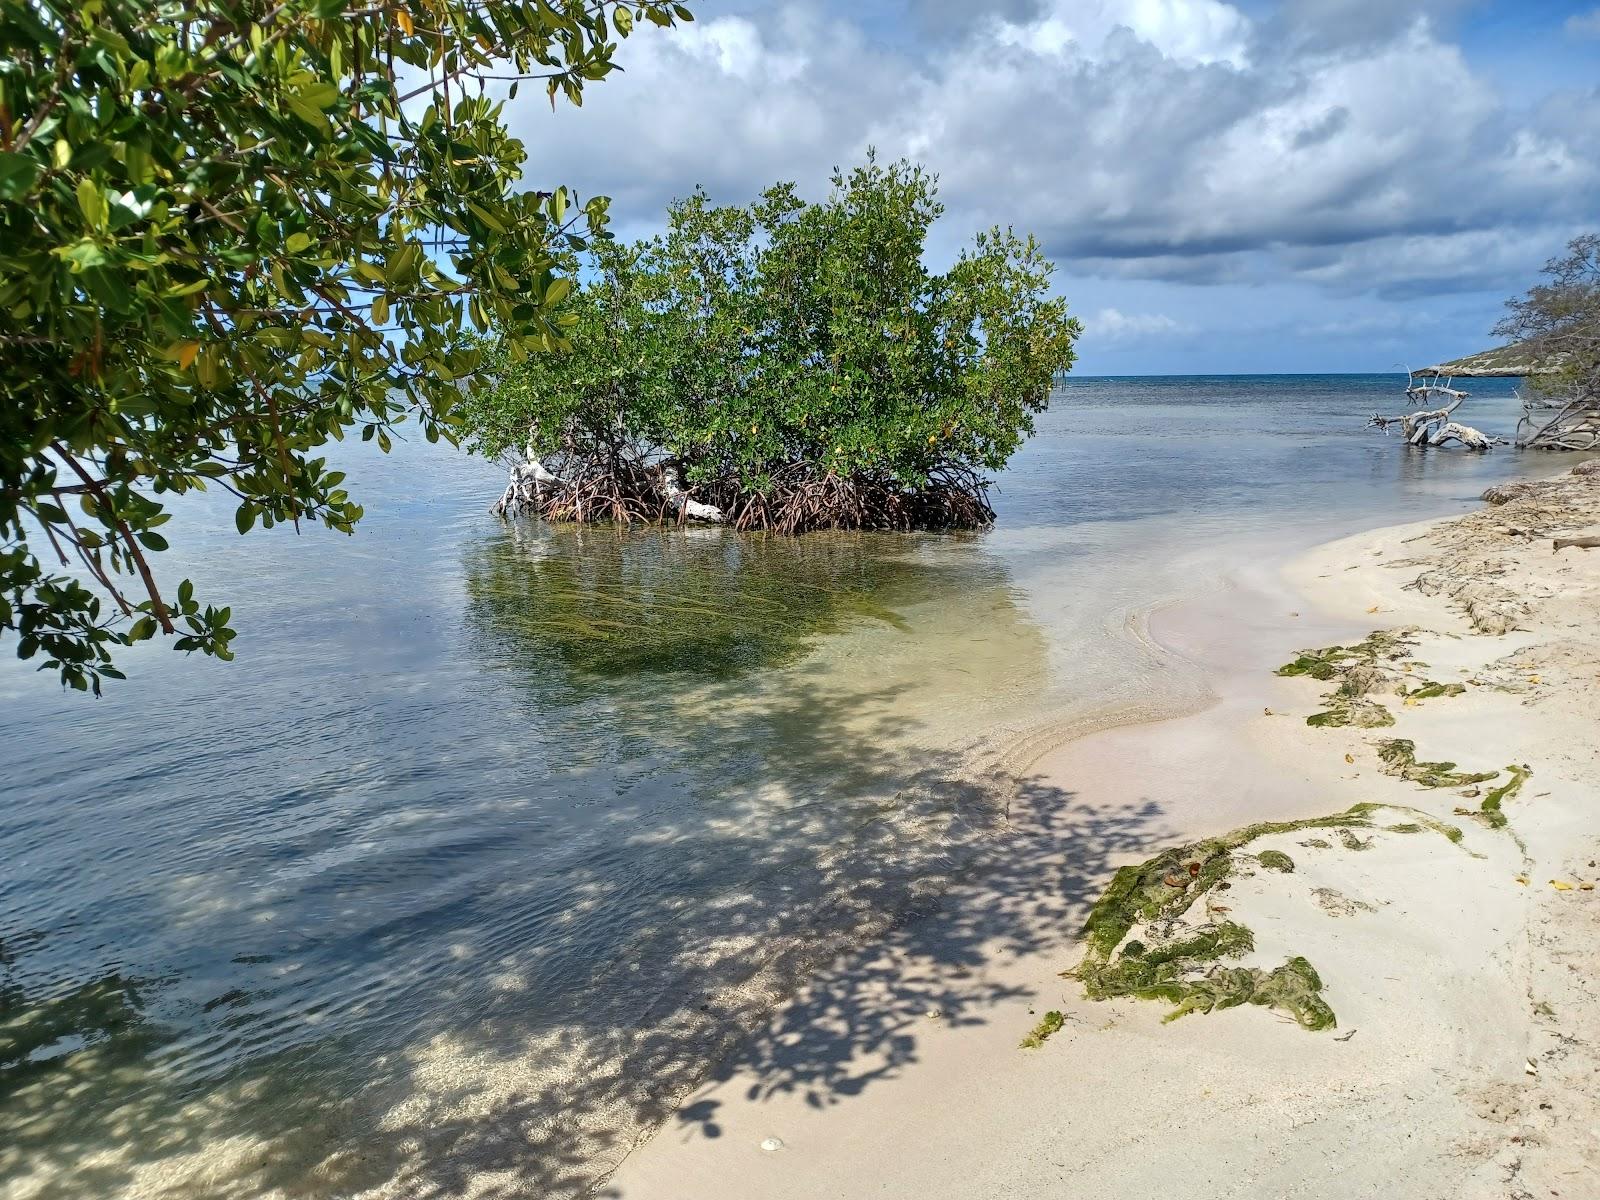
x=494, y=833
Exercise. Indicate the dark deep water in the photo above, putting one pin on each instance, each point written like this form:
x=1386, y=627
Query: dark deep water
x=492, y=833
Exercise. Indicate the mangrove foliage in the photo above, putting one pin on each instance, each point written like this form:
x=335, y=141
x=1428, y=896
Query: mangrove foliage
x=232, y=231
x=785, y=365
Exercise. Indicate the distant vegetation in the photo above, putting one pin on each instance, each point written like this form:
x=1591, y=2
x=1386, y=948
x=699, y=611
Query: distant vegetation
x=1557, y=323
x=786, y=366
x=1508, y=362
x=1555, y=347
x=1554, y=328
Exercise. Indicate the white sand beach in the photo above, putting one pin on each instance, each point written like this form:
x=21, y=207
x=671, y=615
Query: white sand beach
x=1465, y=977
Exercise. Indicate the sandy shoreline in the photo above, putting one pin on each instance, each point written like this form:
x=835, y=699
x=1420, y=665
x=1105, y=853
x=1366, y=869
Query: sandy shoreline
x=1466, y=1061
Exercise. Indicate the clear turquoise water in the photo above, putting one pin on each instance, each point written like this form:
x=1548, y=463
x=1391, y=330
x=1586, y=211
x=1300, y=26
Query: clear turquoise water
x=493, y=834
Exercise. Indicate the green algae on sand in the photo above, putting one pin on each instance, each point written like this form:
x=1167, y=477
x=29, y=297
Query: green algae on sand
x=1429, y=691
x=1048, y=1024
x=1399, y=757
x=1490, y=812
x=1390, y=645
x=1189, y=974
x=1187, y=969
x=1377, y=663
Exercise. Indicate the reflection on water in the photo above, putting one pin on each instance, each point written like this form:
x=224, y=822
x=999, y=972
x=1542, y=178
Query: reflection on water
x=497, y=991
x=494, y=835
x=704, y=602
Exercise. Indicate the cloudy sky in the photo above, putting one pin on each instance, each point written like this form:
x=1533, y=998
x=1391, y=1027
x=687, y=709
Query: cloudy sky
x=1300, y=186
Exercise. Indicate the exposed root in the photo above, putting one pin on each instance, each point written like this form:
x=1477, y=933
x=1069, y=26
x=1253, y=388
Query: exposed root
x=792, y=499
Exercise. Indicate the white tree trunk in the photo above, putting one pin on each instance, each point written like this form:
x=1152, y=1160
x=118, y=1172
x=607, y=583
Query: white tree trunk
x=1435, y=428
x=528, y=480
x=693, y=509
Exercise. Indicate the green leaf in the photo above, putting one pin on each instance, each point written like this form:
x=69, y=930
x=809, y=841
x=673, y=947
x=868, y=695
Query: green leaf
x=308, y=112
x=487, y=217
x=18, y=174
x=92, y=203
x=558, y=291
x=216, y=225
x=84, y=254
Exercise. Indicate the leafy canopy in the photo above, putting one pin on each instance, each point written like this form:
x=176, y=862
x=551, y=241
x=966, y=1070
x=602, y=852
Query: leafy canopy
x=758, y=350
x=231, y=230
x=1558, y=322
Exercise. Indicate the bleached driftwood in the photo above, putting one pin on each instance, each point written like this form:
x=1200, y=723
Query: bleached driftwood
x=1422, y=393
x=528, y=480
x=684, y=504
x=1469, y=437
x=1435, y=428
x=1582, y=543
x=1575, y=424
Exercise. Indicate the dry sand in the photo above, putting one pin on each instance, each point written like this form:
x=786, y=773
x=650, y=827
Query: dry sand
x=1465, y=979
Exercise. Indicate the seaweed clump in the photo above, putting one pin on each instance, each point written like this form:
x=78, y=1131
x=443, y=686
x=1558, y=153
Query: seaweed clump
x=1377, y=663
x=1359, y=669
x=1389, y=645
x=1399, y=757
x=1422, y=821
x=1429, y=691
x=1188, y=974
x=1048, y=1024
x=1490, y=812
x=1188, y=970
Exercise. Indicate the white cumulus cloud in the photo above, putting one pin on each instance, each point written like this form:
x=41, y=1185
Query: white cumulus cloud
x=1585, y=25
x=1113, y=325
x=1347, y=144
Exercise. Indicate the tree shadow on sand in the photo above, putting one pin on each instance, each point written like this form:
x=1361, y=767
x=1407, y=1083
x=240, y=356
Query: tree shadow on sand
x=555, y=1022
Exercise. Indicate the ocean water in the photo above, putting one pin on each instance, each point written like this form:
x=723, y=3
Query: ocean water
x=495, y=834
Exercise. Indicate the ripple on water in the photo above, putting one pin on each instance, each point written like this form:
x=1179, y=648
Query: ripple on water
x=495, y=835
